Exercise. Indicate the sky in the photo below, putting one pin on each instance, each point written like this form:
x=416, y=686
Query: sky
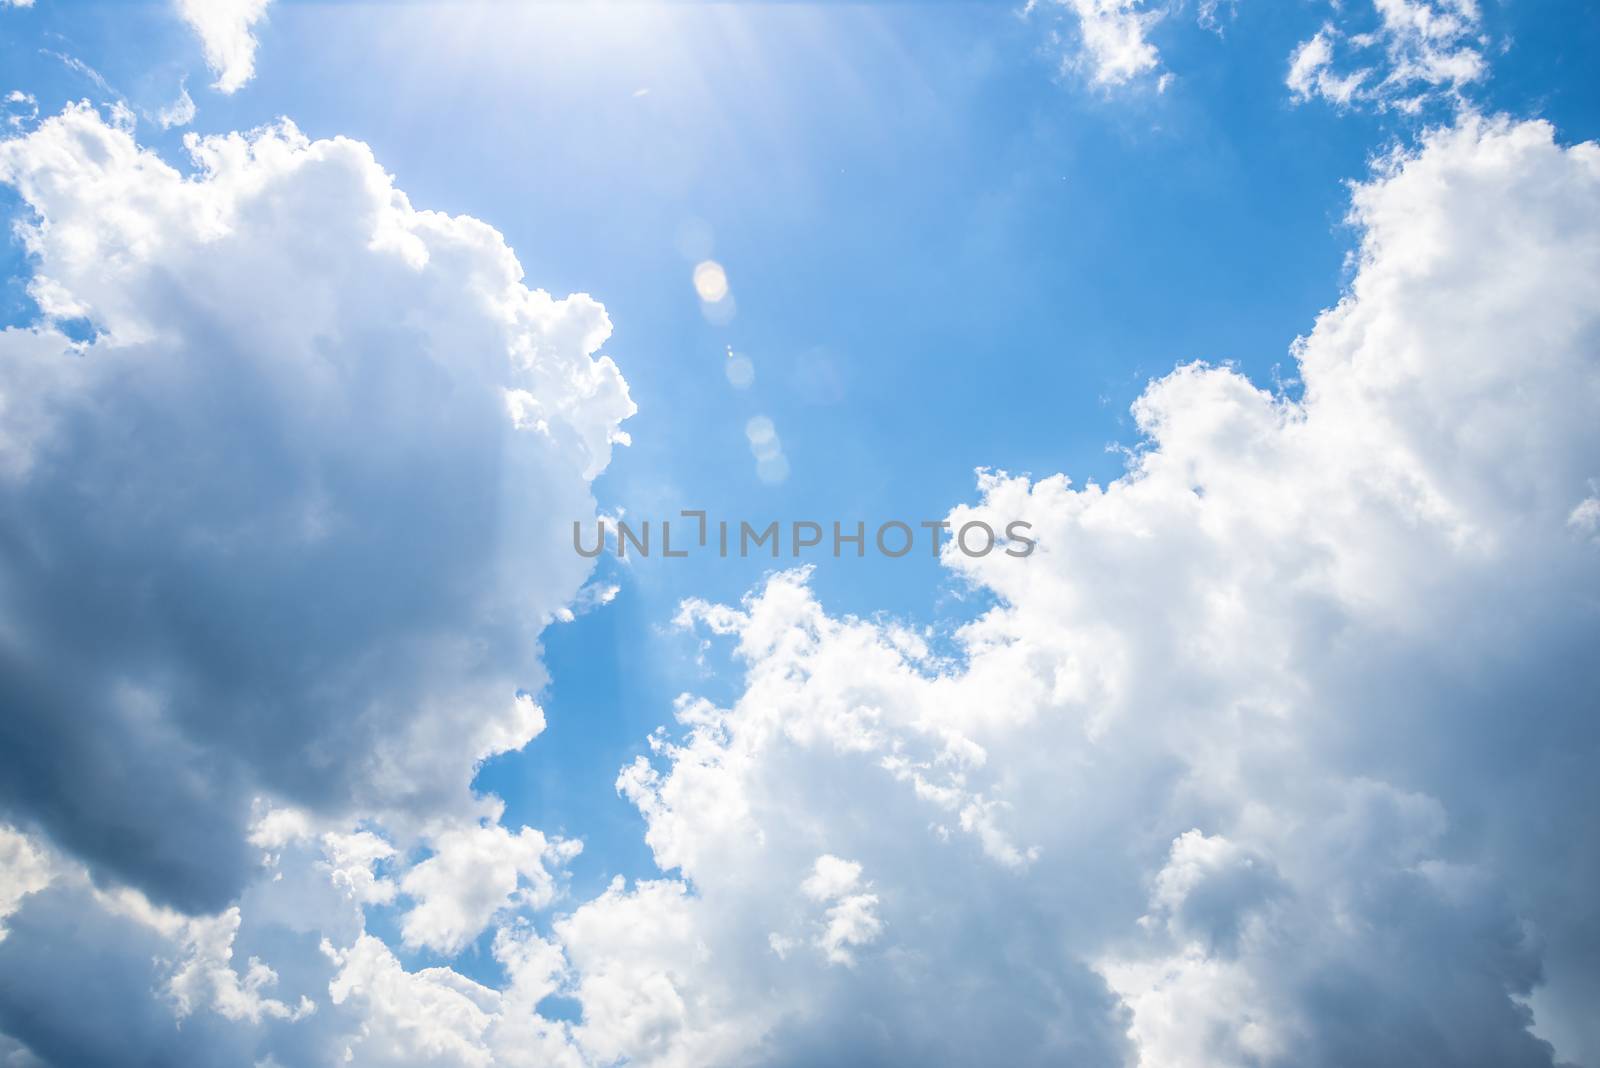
x=324, y=323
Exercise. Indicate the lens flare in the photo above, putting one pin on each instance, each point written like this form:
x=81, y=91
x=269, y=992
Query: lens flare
x=710, y=281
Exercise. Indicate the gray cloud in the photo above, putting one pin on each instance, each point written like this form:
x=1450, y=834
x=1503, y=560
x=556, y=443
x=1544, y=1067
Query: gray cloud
x=288, y=524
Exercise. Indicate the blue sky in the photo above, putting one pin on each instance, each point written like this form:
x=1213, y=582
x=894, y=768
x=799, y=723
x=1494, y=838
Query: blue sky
x=948, y=249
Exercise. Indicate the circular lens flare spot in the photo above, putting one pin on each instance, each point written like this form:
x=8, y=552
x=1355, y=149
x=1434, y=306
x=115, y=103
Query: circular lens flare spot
x=760, y=430
x=710, y=281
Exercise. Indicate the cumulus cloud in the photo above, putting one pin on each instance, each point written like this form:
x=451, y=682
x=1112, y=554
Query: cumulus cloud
x=436, y=1017
x=224, y=28
x=1416, y=51
x=90, y=973
x=308, y=483
x=206, y=976
x=1278, y=750
x=308, y=473
x=474, y=873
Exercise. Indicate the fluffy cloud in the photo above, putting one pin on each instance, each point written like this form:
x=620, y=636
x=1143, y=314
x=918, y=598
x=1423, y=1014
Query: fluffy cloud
x=1416, y=50
x=850, y=919
x=306, y=476
x=1278, y=750
x=474, y=873
x=308, y=487
x=224, y=28
x=206, y=976
x=1112, y=38
x=435, y=1017
x=89, y=973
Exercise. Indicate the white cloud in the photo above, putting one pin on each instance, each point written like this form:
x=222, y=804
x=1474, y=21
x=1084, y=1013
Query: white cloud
x=180, y=112
x=20, y=109
x=224, y=28
x=1210, y=13
x=474, y=873
x=206, y=976
x=154, y=968
x=435, y=1018
x=1264, y=735
x=831, y=878
x=1311, y=71
x=1416, y=50
x=323, y=550
x=1109, y=41
x=1112, y=39
x=315, y=552
x=851, y=918
x=1585, y=517
x=351, y=862
x=654, y=986
x=24, y=869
